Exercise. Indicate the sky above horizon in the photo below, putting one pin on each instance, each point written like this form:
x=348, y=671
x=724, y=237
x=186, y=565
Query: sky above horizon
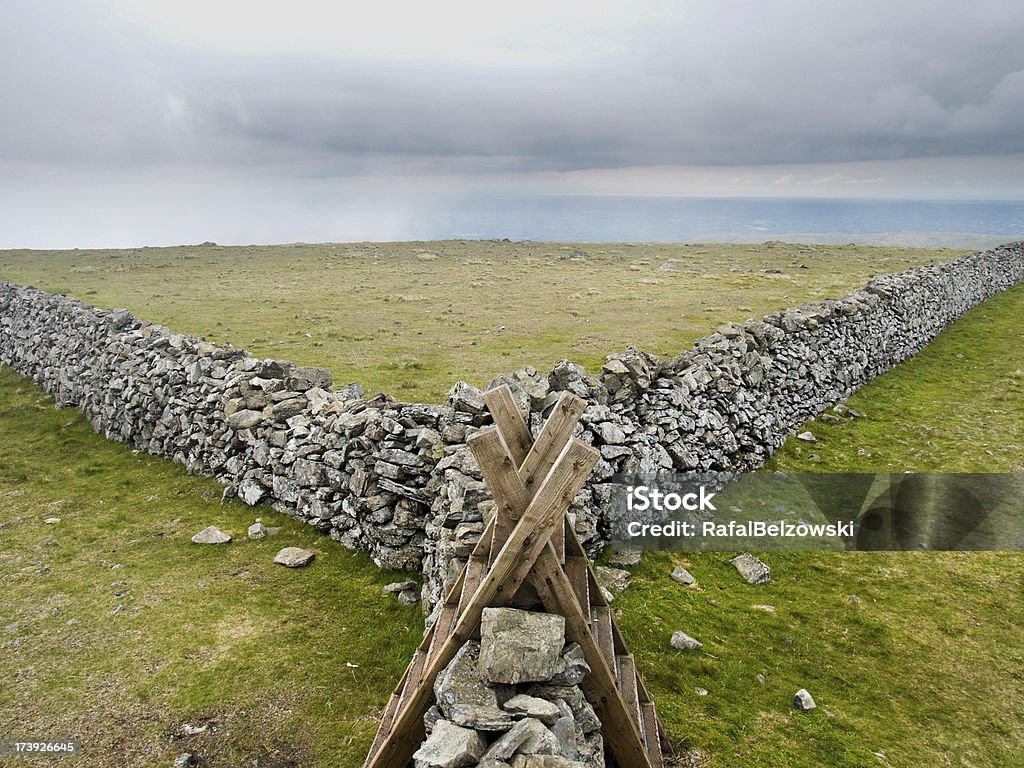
x=208, y=112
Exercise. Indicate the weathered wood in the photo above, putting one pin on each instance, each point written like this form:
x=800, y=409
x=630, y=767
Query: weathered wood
x=576, y=569
x=500, y=473
x=508, y=571
x=508, y=419
x=620, y=730
x=557, y=430
x=625, y=671
x=602, y=619
x=652, y=736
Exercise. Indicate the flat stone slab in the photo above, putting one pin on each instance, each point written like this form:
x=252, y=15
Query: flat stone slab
x=294, y=557
x=683, y=576
x=450, y=746
x=752, y=569
x=520, y=646
x=211, y=535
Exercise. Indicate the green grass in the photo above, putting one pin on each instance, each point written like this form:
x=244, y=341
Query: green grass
x=412, y=318
x=914, y=659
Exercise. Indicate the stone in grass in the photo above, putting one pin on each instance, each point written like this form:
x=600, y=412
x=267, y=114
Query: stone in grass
x=683, y=642
x=408, y=597
x=803, y=700
x=547, y=761
x=531, y=706
x=627, y=558
x=398, y=586
x=807, y=437
x=520, y=646
x=211, y=535
x=450, y=746
x=683, y=576
x=752, y=569
x=294, y=557
x=615, y=580
x=257, y=530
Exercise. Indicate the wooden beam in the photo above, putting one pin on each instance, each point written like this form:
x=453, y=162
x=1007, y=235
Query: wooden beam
x=508, y=419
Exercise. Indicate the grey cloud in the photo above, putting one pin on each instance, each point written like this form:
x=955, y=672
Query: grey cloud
x=723, y=83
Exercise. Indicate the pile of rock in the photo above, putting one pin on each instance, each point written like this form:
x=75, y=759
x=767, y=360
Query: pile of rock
x=513, y=699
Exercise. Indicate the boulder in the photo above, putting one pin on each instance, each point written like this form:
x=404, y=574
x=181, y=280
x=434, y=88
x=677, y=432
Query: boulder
x=520, y=646
x=752, y=569
x=683, y=642
x=294, y=557
x=465, y=698
x=211, y=535
x=449, y=746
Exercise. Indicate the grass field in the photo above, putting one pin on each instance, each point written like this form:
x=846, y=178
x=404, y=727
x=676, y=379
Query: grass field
x=412, y=318
x=119, y=631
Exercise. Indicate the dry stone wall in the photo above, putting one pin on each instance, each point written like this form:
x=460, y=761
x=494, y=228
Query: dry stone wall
x=397, y=479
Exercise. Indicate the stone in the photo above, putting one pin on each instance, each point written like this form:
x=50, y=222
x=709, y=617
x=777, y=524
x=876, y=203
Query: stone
x=257, y=531
x=683, y=576
x=398, y=586
x=465, y=698
x=610, y=434
x=752, y=569
x=307, y=377
x=574, y=666
x=807, y=437
x=294, y=557
x=683, y=642
x=527, y=736
x=626, y=558
x=803, y=700
x=244, y=419
x=51, y=521
x=520, y=646
x=183, y=760
x=449, y=746
x=211, y=535
x=522, y=705
x=251, y=492
x=408, y=597
x=547, y=761
x=615, y=580
x=765, y=608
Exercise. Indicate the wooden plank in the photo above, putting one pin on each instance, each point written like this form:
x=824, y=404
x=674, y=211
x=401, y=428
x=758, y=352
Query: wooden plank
x=502, y=478
x=576, y=569
x=602, y=616
x=625, y=672
x=652, y=737
x=510, y=422
x=508, y=571
x=556, y=431
x=622, y=733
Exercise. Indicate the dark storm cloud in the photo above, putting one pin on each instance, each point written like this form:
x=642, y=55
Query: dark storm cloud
x=714, y=83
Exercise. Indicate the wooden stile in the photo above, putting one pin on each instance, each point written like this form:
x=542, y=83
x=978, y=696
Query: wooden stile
x=528, y=553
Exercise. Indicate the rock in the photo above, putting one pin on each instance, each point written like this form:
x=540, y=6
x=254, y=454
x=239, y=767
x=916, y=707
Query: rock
x=609, y=434
x=626, y=558
x=615, y=580
x=527, y=736
x=683, y=642
x=251, y=492
x=183, y=760
x=683, y=576
x=522, y=705
x=575, y=666
x=520, y=646
x=51, y=521
x=765, y=608
x=294, y=557
x=449, y=746
x=752, y=569
x=244, y=419
x=803, y=700
x=465, y=698
x=807, y=437
x=398, y=586
x=211, y=535
x=408, y=597
x=307, y=377
x=257, y=531
x=546, y=761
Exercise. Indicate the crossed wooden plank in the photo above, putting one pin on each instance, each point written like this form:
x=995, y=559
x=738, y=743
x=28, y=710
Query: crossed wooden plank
x=533, y=483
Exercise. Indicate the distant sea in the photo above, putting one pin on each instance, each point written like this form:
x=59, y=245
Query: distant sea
x=577, y=218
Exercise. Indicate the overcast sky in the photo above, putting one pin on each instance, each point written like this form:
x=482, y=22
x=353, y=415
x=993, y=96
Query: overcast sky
x=190, y=108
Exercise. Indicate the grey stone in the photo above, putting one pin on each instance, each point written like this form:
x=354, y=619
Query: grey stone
x=211, y=535
x=520, y=646
x=626, y=558
x=305, y=377
x=294, y=557
x=244, y=419
x=467, y=699
x=803, y=700
x=807, y=437
x=251, y=492
x=683, y=576
x=257, y=531
x=522, y=705
x=449, y=746
x=752, y=569
x=527, y=736
x=574, y=666
x=547, y=761
x=398, y=586
x=408, y=597
x=683, y=642
x=610, y=434
x=615, y=580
